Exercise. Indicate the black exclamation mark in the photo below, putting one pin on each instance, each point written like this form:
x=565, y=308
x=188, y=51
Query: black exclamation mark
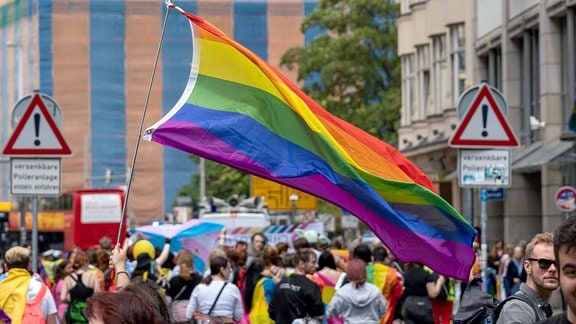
x=484, y=119
x=37, y=128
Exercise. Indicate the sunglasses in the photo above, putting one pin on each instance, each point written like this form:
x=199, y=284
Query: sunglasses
x=543, y=264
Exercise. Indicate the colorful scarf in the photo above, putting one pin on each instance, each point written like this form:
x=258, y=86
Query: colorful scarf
x=14, y=294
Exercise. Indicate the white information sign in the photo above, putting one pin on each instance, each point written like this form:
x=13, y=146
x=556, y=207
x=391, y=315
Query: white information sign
x=101, y=208
x=484, y=168
x=35, y=177
x=349, y=221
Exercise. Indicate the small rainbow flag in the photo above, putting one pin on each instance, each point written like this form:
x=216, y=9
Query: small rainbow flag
x=239, y=111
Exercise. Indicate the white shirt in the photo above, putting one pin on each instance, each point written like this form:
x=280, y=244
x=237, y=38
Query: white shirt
x=48, y=305
x=229, y=303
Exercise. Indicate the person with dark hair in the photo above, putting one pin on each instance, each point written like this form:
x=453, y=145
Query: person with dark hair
x=331, y=278
x=362, y=252
x=288, y=262
x=359, y=301
x=249, y=282
x=78, y=287
x=19, y=288
x=120, y=307
x=182, y=285
x=106, y=244
x=261, y=278
x=296, y=297
x=257, y=243
x=93, y=266
x=271, y=267
x=152, y=295
x=237, y=261
x=515, y=273
x=214, y=296
x=102, y=259
x=241, y=246
x=282, y=248
x=300, y=243
x=420, y=286
x=565, y=253
x=63, y=270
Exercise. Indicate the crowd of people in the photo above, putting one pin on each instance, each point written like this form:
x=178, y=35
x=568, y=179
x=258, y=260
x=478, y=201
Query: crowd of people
x=309, y=280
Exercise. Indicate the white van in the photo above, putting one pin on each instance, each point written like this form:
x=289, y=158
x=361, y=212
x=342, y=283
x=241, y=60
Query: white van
x=238, y=219
x=236, y=212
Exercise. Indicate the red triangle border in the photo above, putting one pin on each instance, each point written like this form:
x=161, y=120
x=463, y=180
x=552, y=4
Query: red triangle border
x=9, y=148
x=457, y=141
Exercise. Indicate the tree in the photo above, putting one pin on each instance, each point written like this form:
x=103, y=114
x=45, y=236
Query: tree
x=221, y=181
x=352, y=68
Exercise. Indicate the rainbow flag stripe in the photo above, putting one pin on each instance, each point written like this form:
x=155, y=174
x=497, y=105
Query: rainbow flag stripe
x=240, y=111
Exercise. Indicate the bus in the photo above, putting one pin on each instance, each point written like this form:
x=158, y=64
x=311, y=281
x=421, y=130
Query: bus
x=5, y=207
x=77, y=218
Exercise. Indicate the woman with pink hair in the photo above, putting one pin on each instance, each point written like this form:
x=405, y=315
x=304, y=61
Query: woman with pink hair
x=358, y=301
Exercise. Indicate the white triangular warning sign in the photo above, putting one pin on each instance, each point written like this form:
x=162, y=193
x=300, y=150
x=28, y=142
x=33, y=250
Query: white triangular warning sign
x=36, y=134
x=483, y=124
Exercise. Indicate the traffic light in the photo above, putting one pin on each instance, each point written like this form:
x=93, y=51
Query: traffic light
x=108, y=175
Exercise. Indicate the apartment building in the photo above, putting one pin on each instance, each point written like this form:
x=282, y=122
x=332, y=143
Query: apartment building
x=525, y=49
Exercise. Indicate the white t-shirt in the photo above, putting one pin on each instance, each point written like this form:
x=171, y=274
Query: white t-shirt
x=229, y=303
x=48, y=305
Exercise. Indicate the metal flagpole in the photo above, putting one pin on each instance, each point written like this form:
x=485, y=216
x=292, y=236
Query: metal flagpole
x=131, y=171
x=483, y=244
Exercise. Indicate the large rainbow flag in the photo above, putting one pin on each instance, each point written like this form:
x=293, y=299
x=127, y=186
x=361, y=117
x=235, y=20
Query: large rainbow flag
x=239, y=111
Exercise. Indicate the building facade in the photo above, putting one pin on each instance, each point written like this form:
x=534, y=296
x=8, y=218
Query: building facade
x=95, y=58
x=526, y=50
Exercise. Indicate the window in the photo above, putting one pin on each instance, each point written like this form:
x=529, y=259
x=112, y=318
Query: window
x=530, y=85
x=423, y=81
x=457, y=60
x=495, y=68
x=491, y=67
x=408, y=99
x=439, y=71
x=568, y=32
x=405, y=7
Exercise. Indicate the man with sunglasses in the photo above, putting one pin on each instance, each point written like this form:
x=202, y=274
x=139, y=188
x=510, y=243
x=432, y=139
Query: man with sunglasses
x=565, y=252
x=541, y=281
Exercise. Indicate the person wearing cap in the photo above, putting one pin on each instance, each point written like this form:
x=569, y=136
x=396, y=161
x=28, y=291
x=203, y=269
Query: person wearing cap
x=312, y=237
x=147, y=266
x=18, y=288
x=50, y=260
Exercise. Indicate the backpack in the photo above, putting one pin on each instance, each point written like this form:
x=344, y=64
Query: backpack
x=33, y=312
x=479, y=307
x=75, y=312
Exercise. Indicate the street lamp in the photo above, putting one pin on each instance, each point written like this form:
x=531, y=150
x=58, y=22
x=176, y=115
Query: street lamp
x=293, y=203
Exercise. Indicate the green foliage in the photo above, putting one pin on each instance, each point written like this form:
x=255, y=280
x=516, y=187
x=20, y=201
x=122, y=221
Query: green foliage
x=352, y=69
x=221, y=181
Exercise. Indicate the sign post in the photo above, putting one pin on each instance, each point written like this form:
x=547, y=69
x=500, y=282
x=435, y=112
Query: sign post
x=35, y=148
x=482, y=135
